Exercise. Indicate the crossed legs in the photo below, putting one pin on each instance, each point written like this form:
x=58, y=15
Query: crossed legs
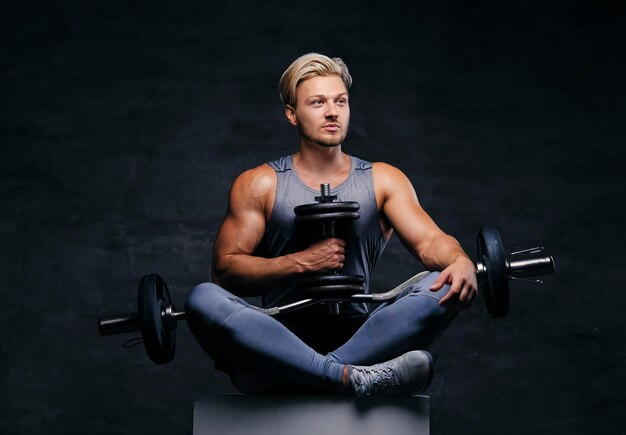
x=262, y=355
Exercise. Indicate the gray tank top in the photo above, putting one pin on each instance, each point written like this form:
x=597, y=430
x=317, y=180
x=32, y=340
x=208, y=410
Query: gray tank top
x=365, y=240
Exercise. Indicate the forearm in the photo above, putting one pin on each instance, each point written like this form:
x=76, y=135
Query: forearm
x=247, y=275
x=441, y=252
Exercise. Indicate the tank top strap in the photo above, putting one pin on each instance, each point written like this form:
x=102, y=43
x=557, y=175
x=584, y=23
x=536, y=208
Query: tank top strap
x=361, y=165
x=282, y=164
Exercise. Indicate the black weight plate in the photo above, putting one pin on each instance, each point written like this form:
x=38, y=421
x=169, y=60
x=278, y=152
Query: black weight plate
x=333, y=292
x=334, y=216
x=326, y=207
x=158, y=337
x=493, y=283
x=323, y=280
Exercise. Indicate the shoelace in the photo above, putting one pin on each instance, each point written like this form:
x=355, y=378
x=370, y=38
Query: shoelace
x=378, y=379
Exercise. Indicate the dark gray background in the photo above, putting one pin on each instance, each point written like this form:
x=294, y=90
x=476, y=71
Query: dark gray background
x=125, y=122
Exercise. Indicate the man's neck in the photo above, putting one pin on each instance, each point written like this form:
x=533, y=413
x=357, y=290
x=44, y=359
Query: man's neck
x=316, y=164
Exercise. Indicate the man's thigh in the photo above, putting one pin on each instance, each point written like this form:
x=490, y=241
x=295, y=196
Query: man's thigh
x=410, y=322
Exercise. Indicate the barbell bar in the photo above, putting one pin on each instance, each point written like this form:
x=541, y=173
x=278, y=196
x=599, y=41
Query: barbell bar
x=157, y=317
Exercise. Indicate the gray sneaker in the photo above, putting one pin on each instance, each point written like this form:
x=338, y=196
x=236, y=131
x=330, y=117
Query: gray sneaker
x=407, y=374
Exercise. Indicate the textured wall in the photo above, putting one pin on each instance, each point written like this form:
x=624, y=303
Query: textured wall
x=125, y=122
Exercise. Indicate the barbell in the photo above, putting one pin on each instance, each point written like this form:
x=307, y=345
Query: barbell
x=157, y=318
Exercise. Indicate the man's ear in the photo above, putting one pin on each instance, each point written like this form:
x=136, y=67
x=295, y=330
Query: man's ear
x=290, y=113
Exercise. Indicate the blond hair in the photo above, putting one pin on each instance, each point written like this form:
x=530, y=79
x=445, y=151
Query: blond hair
x=308, y=66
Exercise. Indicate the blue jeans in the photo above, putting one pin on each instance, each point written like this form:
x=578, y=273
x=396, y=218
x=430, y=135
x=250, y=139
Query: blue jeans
x=262, y=355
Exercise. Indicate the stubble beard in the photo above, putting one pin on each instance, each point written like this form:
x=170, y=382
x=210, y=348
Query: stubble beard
x=319, y=139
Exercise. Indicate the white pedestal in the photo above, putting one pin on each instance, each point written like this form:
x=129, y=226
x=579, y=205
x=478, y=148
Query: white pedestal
x=311, y=415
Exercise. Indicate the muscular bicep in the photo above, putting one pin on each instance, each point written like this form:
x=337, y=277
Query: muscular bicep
x=240, y=233
x=401, y=208
x=244, y=224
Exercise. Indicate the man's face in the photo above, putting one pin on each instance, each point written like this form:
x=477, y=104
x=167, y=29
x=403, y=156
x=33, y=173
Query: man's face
x=322, y=113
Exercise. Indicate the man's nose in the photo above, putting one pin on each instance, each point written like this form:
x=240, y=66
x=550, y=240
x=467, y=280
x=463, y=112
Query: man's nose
x=331, y=110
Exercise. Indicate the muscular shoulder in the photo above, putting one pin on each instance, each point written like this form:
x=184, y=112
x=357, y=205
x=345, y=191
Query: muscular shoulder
x=257, y=181
x=391, y=186
x=254, y=188
x=388, y=178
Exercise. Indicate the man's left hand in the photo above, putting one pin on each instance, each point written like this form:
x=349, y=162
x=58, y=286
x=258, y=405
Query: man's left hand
x=461, y=275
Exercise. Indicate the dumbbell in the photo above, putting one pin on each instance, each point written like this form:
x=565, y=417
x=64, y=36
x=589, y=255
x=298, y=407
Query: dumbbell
x=157, y=317
x=322, y=219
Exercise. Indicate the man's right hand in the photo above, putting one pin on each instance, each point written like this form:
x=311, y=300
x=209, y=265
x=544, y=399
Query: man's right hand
x=323, y=256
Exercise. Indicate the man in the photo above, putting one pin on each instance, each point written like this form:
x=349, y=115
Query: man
x=257, y=252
